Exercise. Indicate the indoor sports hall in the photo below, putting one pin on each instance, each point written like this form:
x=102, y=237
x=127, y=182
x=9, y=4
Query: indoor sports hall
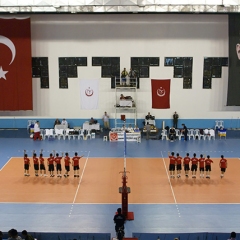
x=87, y=204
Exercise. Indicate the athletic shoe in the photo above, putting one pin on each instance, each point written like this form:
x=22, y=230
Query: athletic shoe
x=45, y=175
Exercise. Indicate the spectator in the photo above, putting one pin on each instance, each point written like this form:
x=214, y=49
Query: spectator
x=124, y=75
x=13, y=235
x=1, y=235
x=27, y=236
x=233, y=236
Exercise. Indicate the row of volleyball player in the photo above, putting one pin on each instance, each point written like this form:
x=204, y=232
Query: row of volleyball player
x=204, y=163
x=53, y=163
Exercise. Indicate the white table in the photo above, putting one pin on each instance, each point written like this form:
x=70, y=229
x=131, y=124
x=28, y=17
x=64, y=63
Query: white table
x=87, y=126
x=61, y=126
x=125, y=103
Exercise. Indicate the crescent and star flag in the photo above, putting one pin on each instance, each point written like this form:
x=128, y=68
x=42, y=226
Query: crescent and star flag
x=15, y=65
x=89, y=94
x=160, y=93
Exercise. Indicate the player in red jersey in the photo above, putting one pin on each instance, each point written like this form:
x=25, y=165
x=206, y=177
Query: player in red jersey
x=75, y=163
x=186, y=161
x=57, y=160
x=26, y=164
x=35, y=164
x=223, y=165
x=172, y=164
x=179, y=165
x=42, y=166
x=208, y=162
x=50, y=161
x=194, y=161
x=201, y=161
x=67, y=163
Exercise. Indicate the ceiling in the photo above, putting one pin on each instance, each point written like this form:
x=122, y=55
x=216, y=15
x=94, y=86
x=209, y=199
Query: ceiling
x=119, y=6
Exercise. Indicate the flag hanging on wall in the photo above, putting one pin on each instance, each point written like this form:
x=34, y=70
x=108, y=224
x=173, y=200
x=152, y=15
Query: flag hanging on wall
x=15, y=65
x=89, y=94
x=160, y=93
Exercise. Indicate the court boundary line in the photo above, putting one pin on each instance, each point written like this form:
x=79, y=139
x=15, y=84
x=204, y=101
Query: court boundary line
x=6, y=163
x=40, y=203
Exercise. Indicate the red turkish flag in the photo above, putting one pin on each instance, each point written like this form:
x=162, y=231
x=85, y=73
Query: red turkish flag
x=15, y=65
x=161, y=93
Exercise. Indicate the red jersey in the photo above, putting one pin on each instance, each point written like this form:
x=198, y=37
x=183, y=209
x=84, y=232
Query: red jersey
x=223, y=163
x=208, y=161
x=50, y=160
x=172, y=159
x=75, y=161
x=67, y=161
x=201, y=162
x=179, y=160
x=194, y=161
x=186, y=160
x=35, y=160
x=41, y=159
x=58, y=160
x=26, y=160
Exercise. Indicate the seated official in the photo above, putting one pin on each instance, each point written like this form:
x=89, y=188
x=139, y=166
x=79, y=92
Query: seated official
x=122, y=97
x=172, y=133
x=57, y=122
x=149, y=117
x=92, y=121
x=64, y=122
x=130, y=128
x=136, y=129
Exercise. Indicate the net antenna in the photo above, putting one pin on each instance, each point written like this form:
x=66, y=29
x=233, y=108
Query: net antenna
x=125, y=153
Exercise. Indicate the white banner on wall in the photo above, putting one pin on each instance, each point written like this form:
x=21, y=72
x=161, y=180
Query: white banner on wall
x=89, y=93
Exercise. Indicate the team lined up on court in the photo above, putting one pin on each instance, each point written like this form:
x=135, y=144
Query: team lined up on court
x=53, y=162
x=204, y=164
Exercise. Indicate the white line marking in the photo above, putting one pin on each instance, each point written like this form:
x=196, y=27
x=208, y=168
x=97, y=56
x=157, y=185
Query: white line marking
x=171, y=186
x=6, y=163
x=79, y=183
